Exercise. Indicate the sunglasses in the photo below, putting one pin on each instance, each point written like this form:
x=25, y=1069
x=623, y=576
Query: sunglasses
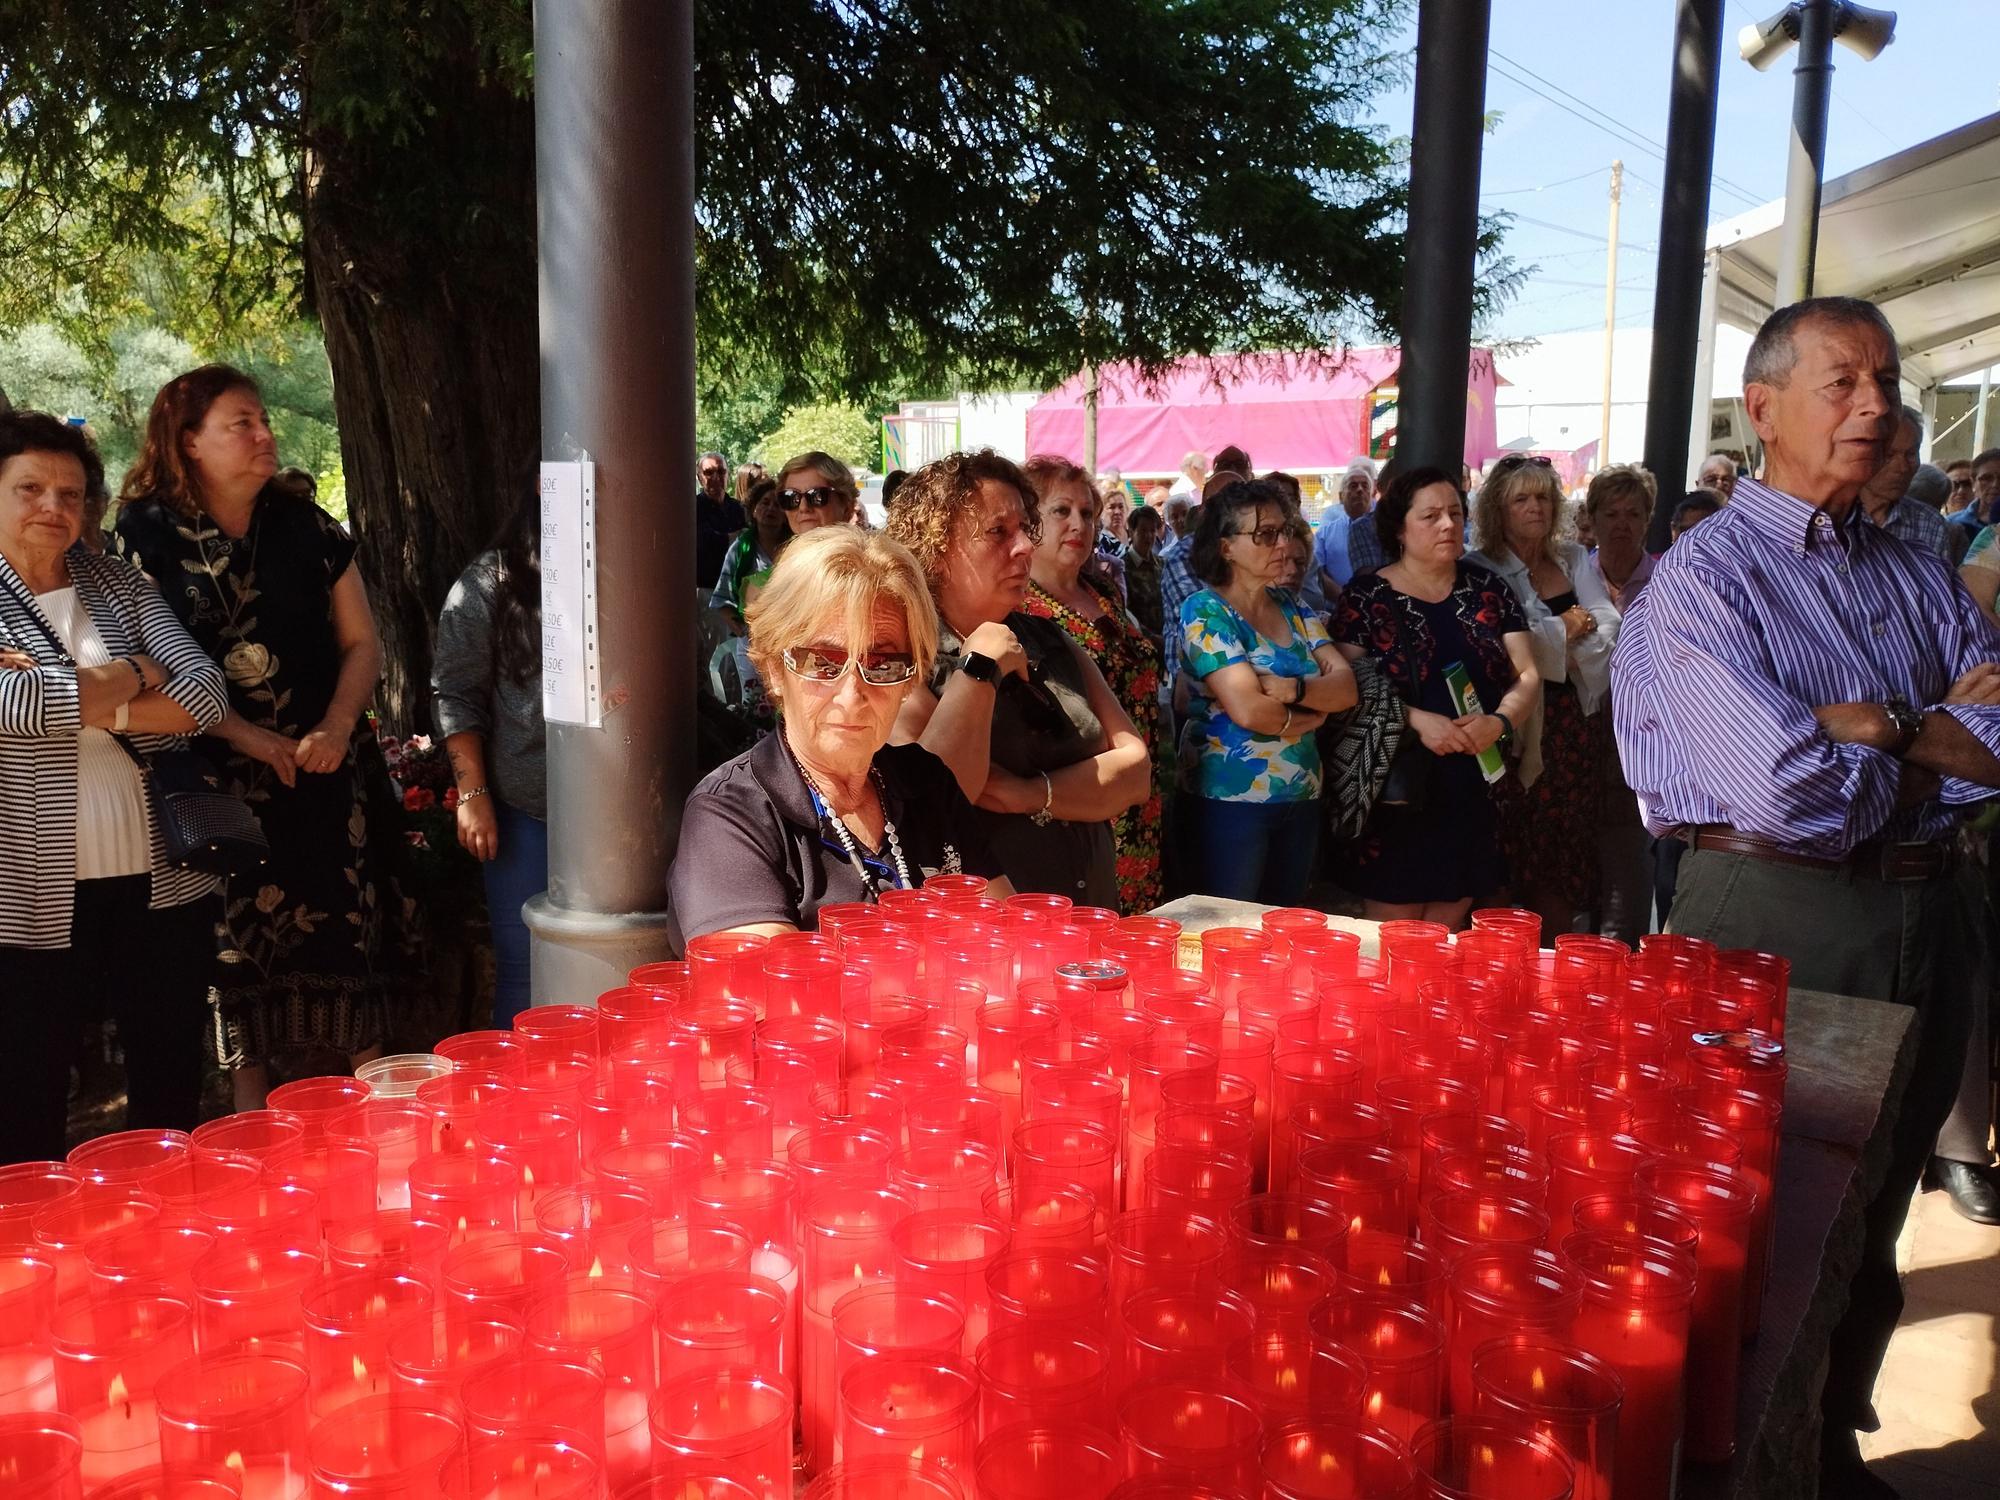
x=713, y=473
x=1516, y=460
x=818, y=499
x=830, y=664
x=1264, y=536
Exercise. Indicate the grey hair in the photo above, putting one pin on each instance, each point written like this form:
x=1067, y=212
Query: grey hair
x=1724, y=457
x=1195, y=457
x=1930, y=486
x=1362, y=465
x=1774, y=351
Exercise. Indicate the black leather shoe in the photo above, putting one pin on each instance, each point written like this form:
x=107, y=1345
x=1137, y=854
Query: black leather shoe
x=1973, y=1191
x=1842, y=1474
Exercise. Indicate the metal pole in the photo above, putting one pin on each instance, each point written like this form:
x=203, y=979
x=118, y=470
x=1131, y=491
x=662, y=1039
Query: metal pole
x=1090, y=398
x=1979, y=419
x=1928, y=404
x=1443, y=231
x=614, y=168
x=1610, y=314
x=1812, y=87
x=1677, y=289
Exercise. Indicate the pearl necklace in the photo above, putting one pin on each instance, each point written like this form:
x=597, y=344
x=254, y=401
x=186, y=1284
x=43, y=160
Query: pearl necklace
x=840, y=830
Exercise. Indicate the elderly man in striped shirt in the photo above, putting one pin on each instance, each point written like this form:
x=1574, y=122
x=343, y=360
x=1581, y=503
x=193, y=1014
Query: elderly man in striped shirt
x=1812, y=705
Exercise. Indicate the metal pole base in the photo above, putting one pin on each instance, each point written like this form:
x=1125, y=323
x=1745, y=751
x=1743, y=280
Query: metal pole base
x=575, y=956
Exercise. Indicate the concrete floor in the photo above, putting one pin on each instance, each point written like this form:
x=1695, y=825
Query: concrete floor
x=1939, y=1394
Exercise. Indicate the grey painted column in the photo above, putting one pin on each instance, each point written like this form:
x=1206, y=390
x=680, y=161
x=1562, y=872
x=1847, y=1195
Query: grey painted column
x=614, y=170
x=1443, y=231
x=1677, y=290
x=1812, y=88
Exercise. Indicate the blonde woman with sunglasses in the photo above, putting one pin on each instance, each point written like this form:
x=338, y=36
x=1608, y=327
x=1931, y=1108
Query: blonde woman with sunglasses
x=824, y=809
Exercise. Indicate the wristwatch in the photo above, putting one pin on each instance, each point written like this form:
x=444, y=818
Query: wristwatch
x=1908, y=722
x=1506, y=727
x=979, y=668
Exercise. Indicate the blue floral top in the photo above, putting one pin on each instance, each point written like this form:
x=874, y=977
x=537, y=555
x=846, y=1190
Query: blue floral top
x=1234, y=764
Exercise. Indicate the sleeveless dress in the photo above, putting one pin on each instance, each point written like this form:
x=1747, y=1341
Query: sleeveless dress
x=308, y=946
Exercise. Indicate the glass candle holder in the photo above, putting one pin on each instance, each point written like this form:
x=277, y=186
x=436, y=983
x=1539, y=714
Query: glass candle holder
x=388, y=1242
x=1722, y=1204
x=722, y=1318
x=1500, y=1291
x=1047, y=1461
x=399, y=1128
x=634, y=1016
x=1461, y=1220
x=496, y=1054
x=158, y=1259
x=1065, y=1288
x=946, y=1251
x=1402, y=1345
x=1383, y=1263
x=268, y=1212
x=65, y=1229
x=465, y=1195
x=1559, y=1392
x=1056, y=1152
x=348, y=1319
x=910, y=1406
x=1369, y=1186
x=847, y=1246
x=1290, y=1374
x=1287, y=1221
x=343, y=1172
x=667, y=1251
x=251, y=1133
x=183, y=1481
x=26, y=1188
x=726, y=966
x=1193, y=1177
x=667, y=976
x=518, y=1395
x=386, y=1448
x=882, y=1479
x=1194, y=1432
x=723, y=1031
x=1281, y=1283
x=1638, y=1299
x=1315, y=1075
x=839, y=1153
x=110, y=1355
x=1164, y=1251
x=977, y=953
x=501, y=1275
x=1037, y=1373
x=1331, y=1458
x=245, y=1412
x=663, y=1170
x=541, y=1143
x=1583, y=1163
x=1460, y=1130
x=41, y=1455
x=611, y=1329
x=250, y=1295
x=129, y=1158
x=1003, y=1025
x=733, y=1124
x=432, y=1358
x=945, y=1175
x=550, y=1464
x=1753, y=1119
x=874, y=1321
x=866, y=1020
x=758, y=1198
x=27, y=1350
x=1177, y=1335
x=325, y=1106
x=1629, y=1216
x=1513, y=1172
x=1467, y=1458
x=456, y=1102
x=594, y=1225
x=398, y=1075
x=1058, y=1220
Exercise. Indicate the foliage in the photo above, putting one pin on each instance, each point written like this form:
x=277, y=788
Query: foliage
x=843, y=431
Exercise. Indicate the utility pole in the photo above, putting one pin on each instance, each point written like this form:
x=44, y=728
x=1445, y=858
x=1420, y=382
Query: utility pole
x=1090, y=397
x=1979, y=417
x=1610, y=312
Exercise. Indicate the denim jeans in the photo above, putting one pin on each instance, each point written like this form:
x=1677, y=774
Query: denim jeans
x=1256, y=851
x=520, y=870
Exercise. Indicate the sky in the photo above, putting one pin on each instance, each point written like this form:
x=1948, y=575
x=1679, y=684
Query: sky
x=1551, y=168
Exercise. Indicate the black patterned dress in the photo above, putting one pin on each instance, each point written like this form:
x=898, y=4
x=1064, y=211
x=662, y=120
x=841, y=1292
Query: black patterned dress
x=309, y=945
x=1448, y=848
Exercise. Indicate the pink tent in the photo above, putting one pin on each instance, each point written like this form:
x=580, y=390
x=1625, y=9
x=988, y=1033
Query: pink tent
x=1286, y=411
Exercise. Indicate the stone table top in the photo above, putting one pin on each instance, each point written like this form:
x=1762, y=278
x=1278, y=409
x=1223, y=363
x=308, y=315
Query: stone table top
x=1850, y=1061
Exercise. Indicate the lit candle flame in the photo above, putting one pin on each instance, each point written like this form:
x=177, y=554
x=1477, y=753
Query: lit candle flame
x=119, y=1396
x=360, y=1371
x=233, y=1461
x=596, y=1268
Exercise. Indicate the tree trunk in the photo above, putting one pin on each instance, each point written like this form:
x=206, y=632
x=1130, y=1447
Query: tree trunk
x=420, y=264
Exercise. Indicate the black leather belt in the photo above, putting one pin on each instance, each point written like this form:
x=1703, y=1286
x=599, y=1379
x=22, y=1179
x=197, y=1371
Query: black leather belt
x=1892, y=862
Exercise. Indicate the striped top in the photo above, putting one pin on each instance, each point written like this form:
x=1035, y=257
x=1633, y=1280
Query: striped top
x=41, y=719
x=1753, y=619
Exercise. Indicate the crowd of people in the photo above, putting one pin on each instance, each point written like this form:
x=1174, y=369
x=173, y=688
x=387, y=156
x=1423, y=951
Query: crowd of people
x=1442, y=694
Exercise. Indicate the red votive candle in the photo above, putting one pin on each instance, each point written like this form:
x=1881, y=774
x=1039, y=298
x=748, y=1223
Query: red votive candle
x=542, y=1144
x=947, y=1251
x=664, y=1251
x=250, y=1294
x=1165, y=1251
x=1559, y=1392
x=736, y=1422
x=341, y=1170
x=325, y=1106
x=184, y=1481
x=1461, y=1220
x=733, y=1124
x=1502, y=1171
x=388, y=1242
x=465, y=1195
x=1583, y=1163
x=1334, y=1458
x=721, y=1318
x=1289, y=1373
x=1470, y=1458
x=1392, y=1264
x=158, y=1259
x=942, y=1174
x=840, y=1153
x=802, y=983
x=27, y=1353
x=916, y=1407
x=501, y=1054
x=248, y=1132
x=455, y=1104
x=26, y=1188
x=1505, y=1290
x=1195, y=1432
x=594, y=1226
x=66, y=1229
x=110, y=1355
x=268, y=1212
x=1638, y=1297
x=348, y=1319
x=1281, y=1283
x=129, y=1158
x=722, y=965
x=1195, y=1177
x=1722, y=1203
x=1753, y=1119
x=41, y=1456
x=1047, y=1461
x=386, y=1448
x=1062, y=1219
x=433, y=1359
x=1286, y=1221
x=547, y=1465
x=847, y=1245
x=1174, y=1335
x=1038, y=1373
x=400, y=1130
x=663, y=1170
x=558, y=1031
x=518, y=1395
x=1402, y=1345
x=1062, y=1288
x=759, y=1199
x=246, y=1412
x=1318, y=1075
x=633, y=1015
x=610, y=1329
x=1689, y=1140
x=876, y=1320
x=1368, y=1186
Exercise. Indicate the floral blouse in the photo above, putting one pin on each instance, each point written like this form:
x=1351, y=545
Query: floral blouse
x=1388, y=625
x=1234, y=764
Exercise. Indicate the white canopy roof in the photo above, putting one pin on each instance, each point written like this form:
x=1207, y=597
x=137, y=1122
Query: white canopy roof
x=1917, y=233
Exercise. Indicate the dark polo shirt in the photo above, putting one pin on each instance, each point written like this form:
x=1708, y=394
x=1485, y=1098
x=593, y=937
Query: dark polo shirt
x=753, y=850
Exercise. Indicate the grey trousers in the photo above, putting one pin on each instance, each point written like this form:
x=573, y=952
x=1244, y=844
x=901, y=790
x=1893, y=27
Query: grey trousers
x=1921, y=944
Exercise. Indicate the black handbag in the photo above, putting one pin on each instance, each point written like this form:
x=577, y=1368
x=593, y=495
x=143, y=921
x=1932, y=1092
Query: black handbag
x=203, y=827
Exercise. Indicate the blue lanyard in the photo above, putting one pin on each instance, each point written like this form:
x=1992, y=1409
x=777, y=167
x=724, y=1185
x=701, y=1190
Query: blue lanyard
x=871, y=871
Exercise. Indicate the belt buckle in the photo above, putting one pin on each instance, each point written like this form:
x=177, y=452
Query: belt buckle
x=1918, y=851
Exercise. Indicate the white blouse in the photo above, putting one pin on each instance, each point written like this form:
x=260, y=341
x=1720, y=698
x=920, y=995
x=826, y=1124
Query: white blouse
x=113, y=836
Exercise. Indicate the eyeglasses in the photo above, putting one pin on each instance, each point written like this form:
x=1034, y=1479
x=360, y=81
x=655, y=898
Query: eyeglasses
x=713, y=473
x=1264, y=536
x=817, y=499
x=830, y=664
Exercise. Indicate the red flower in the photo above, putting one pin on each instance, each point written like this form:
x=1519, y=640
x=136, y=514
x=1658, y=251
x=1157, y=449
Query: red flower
x=450, y=798
x=417, y=798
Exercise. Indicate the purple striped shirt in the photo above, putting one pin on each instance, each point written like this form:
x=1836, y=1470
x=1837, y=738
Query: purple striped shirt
x=1754, y=618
